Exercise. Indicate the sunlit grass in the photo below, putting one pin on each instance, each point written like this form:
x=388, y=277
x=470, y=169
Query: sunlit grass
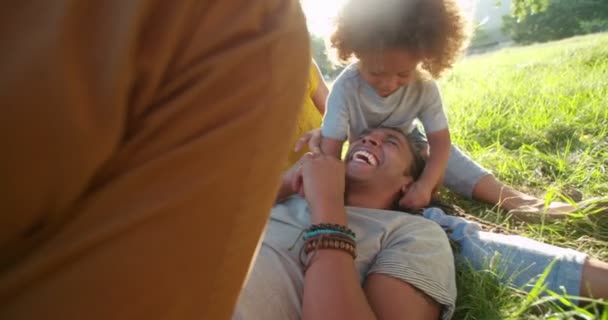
x=537, y=117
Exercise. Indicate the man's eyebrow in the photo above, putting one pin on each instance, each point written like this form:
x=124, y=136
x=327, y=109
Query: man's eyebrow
x=394, y=136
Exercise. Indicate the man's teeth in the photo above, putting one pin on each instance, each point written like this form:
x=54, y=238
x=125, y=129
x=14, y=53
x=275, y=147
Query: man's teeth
x=366, y=157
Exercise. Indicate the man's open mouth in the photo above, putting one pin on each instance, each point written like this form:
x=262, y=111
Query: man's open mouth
x=365, y=157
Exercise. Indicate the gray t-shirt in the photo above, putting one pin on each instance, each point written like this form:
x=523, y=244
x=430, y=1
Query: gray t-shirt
x=354, y=106
x=396, y=244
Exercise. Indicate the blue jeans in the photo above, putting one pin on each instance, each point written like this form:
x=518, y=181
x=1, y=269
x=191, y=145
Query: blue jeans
x=518, y=261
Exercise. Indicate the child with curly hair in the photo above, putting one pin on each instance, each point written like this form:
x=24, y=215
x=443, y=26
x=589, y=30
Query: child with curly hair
x=401, y=47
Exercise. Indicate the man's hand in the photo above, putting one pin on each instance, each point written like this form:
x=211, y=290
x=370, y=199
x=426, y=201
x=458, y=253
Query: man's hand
x=417, y=196
x=293, y=176
x=323, y=187
x=312, y=138
x=291, y=181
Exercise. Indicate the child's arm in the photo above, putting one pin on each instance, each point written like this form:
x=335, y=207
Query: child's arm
x=435, y=124
x=419, y=193
x=314, y=140
x=440, y=144
x=331, y=147
x=335, y=127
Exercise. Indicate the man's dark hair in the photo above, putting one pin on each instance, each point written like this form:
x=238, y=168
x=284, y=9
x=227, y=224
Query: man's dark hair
x=417, y=166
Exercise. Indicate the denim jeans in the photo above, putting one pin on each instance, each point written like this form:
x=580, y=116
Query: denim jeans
x=518, y=261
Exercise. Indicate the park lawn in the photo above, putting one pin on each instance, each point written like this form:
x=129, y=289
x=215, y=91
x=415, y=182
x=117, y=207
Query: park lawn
x=537, y=116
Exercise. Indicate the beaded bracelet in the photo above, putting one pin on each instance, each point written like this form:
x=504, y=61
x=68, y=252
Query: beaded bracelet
x=331, y=226
x=311, y=234
x=326, y=236
x=336, y=236
x=331, y=242
x=336, y=242
x=324, y=228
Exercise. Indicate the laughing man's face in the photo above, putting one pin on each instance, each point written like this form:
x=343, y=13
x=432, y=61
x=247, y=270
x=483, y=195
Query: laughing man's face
x=381, y=156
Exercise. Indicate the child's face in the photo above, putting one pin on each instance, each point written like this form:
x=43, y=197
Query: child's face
x=388, y=70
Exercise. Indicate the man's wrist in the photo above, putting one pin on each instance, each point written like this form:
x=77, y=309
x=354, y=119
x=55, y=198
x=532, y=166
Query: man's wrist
x=328, y=212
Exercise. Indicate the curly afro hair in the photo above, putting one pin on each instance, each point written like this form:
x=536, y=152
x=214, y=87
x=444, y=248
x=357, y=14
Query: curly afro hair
x=436, y=30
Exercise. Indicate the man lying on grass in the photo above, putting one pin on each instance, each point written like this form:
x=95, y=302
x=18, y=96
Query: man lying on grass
x=403, y=265
x=404, y=255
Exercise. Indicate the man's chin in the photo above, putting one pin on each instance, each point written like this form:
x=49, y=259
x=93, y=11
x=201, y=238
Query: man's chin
x=359, y=171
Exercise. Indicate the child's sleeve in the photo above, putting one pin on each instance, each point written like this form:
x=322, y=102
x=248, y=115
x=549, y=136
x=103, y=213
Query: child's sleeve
x=336, y=121
x=432, y=114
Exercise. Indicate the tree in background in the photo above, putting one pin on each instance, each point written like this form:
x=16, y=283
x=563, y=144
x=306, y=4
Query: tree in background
x=546, y=20
x=524, y=8
x=319, y=53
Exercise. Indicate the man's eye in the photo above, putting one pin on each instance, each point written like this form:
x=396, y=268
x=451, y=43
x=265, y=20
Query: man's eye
x=393, y=142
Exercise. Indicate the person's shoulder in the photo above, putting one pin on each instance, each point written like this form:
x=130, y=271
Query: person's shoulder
x=423, y=81
x=424, y=90
x=399, y=220
x=404, y=225
x=348, y=77
x=418, y=223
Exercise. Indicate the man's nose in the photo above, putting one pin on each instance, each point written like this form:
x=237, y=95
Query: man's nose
x=370, y=140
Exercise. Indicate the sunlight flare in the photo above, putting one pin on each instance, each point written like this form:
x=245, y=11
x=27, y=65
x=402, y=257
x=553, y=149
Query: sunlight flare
x=320, y=15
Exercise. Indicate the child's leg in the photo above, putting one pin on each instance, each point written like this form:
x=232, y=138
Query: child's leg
x=469, y=179
x=523, y=206
x=463, y=174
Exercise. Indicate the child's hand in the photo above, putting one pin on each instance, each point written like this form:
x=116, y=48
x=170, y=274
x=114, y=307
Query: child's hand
x=417, y=196
x=311, y=138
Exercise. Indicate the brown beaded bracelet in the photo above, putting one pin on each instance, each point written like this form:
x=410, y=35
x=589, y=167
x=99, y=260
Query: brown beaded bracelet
x=332, y=236
x=335, y=242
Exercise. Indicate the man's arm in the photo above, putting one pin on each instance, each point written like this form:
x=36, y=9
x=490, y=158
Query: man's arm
x=404, y=301
x=291, y=181
x=286, y=189
x=332, y=288
x=331, y=284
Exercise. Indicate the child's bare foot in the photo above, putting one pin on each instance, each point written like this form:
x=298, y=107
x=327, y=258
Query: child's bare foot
x=537, y=212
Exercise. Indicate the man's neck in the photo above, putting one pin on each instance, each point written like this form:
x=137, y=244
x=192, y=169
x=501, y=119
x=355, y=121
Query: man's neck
x=367, y=197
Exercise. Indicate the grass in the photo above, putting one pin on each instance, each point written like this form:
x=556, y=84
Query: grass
x=536, y=116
